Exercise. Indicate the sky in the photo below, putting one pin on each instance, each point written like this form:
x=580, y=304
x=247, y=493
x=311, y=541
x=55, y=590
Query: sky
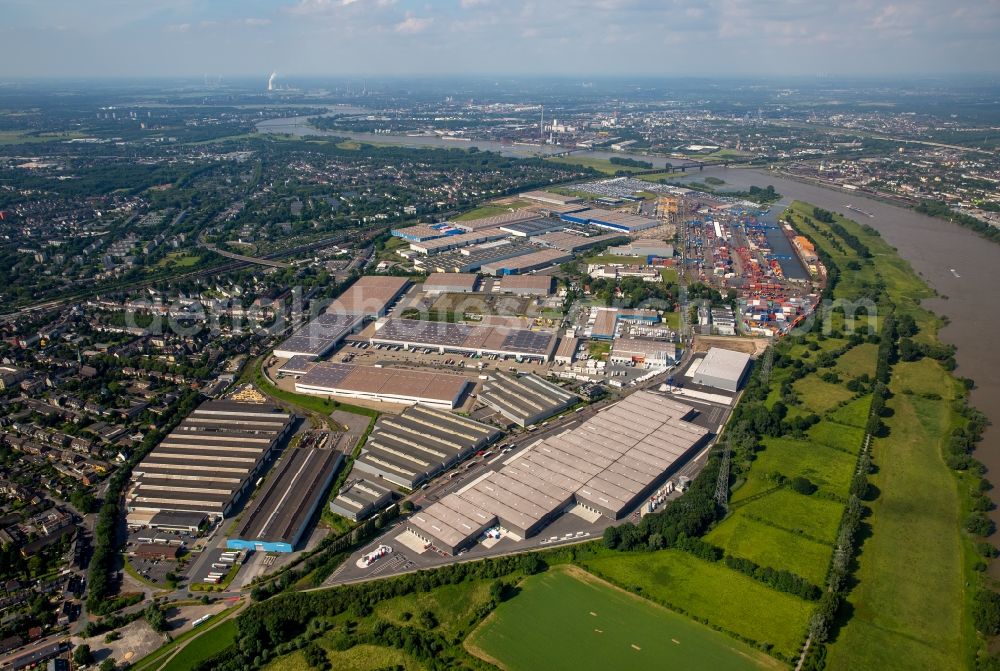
x=71, y=38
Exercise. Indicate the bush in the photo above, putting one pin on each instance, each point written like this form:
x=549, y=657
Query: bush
x=979, y=525
x=802, y=485
x=986, y=612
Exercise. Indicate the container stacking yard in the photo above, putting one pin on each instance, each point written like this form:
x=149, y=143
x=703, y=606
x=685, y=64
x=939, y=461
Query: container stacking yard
x=609, y=465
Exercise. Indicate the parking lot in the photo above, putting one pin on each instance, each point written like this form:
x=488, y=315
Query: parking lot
x=155, y=570
x=213, y=564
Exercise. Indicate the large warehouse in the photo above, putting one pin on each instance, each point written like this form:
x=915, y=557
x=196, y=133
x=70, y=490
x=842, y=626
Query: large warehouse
x=451, y=283
x=609, y=465
x=471, y=259
x=360, y=499
x=495, y=221
x=280, y=513
x=319, y=336
x=370, y=296
x=613, y=219
x=438, y=245
x=605, y=320
x=722, y=369
x=647, y=248
x=420, y=443
x=384, y=385
x=525, y=400
x=646, y=351
x=526, y=285
x=211, y=458
x=525, y=263
x=549, y=197
x=470, y=338
x=576, y=239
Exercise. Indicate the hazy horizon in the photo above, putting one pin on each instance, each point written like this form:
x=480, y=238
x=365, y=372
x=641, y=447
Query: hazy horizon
x=383, y=38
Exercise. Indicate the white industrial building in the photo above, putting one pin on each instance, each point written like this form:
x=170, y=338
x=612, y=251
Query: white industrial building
x=722, y=369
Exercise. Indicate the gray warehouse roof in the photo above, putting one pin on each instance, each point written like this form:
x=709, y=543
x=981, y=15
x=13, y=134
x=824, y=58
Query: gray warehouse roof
x=281, y=511
x=406, y=449
x=526, y=399
x=608, y=463
x=206, y=461
x=360, y=498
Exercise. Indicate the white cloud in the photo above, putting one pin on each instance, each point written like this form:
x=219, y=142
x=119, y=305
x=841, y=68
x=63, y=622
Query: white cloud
x=412, y=25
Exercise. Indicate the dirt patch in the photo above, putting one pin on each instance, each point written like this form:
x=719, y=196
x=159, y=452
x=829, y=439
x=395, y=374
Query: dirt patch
x=752, y=346
x=137, y=640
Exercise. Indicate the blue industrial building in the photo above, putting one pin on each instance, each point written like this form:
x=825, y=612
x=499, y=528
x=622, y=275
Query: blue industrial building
x=280, y=513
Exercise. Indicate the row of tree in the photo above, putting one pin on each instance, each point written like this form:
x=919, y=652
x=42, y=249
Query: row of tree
x=824, y=618
x=267, y=629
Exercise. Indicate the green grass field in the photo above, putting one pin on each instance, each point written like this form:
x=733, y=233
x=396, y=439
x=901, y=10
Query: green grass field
x=828, y=468
x=770, y=545
x=908, y=610
x=657, y=176
x=358, y=658
x=712, y=593
x=812, y=516
x=854, y=414
x=600, y=164
x=490, y=210
x=669, y=275
x=858, y=361
x=819, y=396
x=22, y=137
x=614, y=258
x=203, y=647
x=598, y=349
x=592, y=625
x=453, y=605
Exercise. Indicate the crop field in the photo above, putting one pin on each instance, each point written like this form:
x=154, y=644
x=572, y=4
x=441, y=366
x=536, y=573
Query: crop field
x=566, y=619
x=710, y=592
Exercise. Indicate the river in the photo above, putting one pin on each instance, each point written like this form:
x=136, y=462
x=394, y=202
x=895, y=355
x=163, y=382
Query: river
x=300, y=127
x=956, y=262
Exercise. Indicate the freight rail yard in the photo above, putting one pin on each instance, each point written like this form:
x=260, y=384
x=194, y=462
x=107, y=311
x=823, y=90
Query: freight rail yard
x=535, y=377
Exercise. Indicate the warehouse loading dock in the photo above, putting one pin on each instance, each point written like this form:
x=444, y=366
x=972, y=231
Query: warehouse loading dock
x=609, y=465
